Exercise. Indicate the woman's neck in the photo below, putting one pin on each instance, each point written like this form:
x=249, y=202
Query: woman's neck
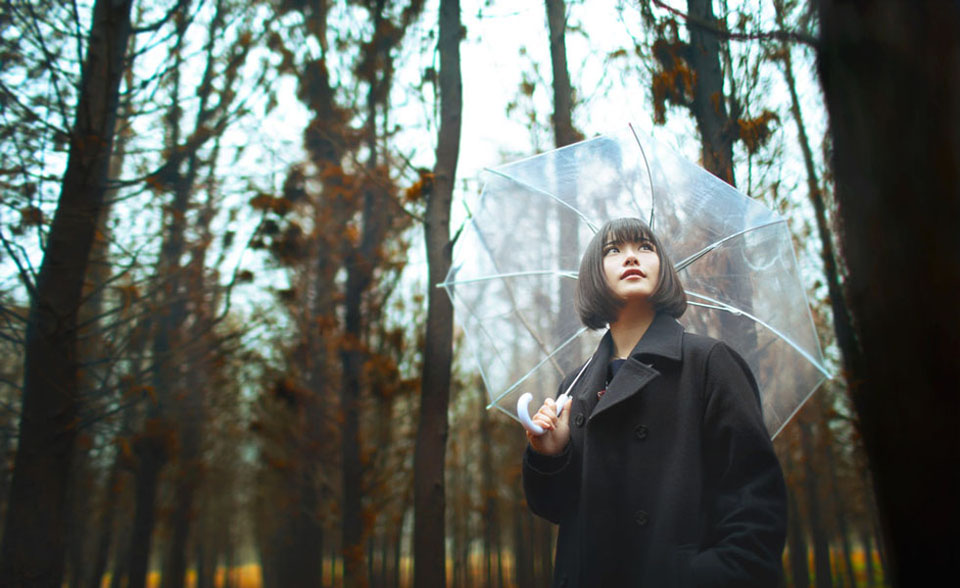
x=629, y=328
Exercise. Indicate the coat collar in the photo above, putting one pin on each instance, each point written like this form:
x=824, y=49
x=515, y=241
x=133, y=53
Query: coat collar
x=664, y=338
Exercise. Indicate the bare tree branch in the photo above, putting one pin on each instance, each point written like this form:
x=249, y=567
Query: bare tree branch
x=784, y=36
x=26, y=273
x=153, y=27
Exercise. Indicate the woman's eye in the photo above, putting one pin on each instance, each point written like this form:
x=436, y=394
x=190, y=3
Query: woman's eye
x=646, y=246
x=610, y=250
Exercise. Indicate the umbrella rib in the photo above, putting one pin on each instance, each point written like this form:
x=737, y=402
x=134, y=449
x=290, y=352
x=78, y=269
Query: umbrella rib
x=646, y=164
x=716, y=304
x=530, y=329
x=592, y=226
x=561, y=273
x=549, y=357
x=513, y=300
x=696, y=256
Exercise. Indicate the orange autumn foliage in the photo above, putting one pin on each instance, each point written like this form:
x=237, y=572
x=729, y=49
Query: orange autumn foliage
x=755, y=132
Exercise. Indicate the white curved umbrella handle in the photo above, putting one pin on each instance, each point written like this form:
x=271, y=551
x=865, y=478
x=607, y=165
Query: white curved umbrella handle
x=523, y=412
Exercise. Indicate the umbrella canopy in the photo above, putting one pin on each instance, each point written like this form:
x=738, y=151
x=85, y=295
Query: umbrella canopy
x=515, y=267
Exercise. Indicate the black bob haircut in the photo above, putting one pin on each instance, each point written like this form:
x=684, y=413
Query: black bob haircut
x=596, y=303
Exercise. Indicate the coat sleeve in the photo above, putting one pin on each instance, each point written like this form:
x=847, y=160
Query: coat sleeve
x=551, y=483
x=747, y=513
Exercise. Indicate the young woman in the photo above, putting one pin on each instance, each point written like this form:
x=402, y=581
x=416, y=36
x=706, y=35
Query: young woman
x=659, y=470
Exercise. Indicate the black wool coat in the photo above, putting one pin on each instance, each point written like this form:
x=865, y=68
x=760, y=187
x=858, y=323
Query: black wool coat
x=669, y=479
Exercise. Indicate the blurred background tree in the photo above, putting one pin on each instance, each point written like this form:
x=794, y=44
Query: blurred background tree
x=221, y=223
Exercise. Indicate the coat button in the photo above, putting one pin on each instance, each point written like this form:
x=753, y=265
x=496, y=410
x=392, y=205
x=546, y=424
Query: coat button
x=641, y=518
x=579, y=420
x=640, y=432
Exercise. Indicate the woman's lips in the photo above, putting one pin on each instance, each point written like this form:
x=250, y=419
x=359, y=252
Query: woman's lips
x=632, y=272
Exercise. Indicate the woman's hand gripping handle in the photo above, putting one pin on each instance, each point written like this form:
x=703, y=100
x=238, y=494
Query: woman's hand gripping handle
x=548, y=432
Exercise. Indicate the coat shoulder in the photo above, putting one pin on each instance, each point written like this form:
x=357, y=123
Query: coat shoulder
x=713, y=355
x=702, y=346
x=698, y=347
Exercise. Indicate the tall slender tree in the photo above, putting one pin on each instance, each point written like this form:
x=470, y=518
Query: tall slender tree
x=32, y=552
x=429, y=494
x=709, y=104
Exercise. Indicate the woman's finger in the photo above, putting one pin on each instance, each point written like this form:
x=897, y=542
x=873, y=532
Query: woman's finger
x=543, y=421
x=549, y=408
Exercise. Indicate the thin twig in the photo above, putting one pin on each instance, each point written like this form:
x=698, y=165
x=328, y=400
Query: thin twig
x=29, y=279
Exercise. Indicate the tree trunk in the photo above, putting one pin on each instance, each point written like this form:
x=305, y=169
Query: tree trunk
x=841, y=514
x=522, y=541
x=32, y=552
x=564, y=132
x=717, y=135
x=709, y=104
x=799, y=567
x=352, y=468
x=491, y=521
x=891, y=75
x=151, y=453
x=821, y=543
x=360, y=263
x=78, y=497
x=430, y=452
x=867, y=545
x=398, y=543
x=853, y=370
x=165, y=417
x=567, y=245
x=121, y=559
x=188, y=479
x=206, y=565
x=105, y=533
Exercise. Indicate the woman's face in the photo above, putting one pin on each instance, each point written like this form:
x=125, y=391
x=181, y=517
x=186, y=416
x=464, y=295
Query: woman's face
x=632, y=270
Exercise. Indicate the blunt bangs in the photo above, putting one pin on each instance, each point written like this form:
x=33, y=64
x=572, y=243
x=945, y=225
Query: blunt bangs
x=596, y=304
x=627, y=230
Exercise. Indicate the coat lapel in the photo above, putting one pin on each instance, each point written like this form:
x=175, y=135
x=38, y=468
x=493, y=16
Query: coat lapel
x=631, y=378
x=663, y=338
x=594, y=377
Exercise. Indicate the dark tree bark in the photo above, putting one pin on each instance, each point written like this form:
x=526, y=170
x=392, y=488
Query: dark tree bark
x=32, y=553
x=105, y=532
x=867, y=544
x=797, y=544
x=491, y=518
x=78, y=519
x=891, y=76
x=206, y=565
x=188, y=409
x=522, y=536
x=709, y=105
x=839, y=509
x=821, y=543
x=717, y=135
x=564, y=131
x=151, y=455
x=154, y=443
x=188, y=478
x=361, y=262
x=564, y=134
x=429, y=500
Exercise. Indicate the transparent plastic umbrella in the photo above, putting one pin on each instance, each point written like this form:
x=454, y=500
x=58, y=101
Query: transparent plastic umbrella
x=515, y=267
